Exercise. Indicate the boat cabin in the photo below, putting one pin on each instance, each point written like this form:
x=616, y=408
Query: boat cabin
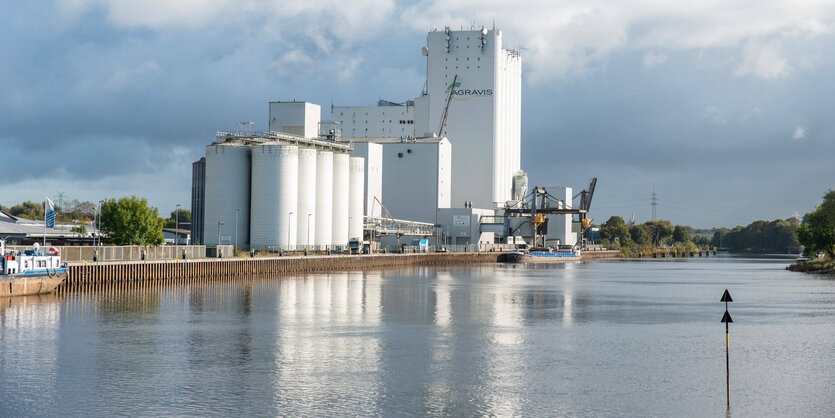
x=34, y=261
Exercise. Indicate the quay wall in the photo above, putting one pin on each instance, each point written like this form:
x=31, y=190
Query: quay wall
x=600, y=254
x=87, y=274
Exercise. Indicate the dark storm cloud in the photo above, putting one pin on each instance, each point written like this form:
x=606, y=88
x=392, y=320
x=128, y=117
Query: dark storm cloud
x=726, y=116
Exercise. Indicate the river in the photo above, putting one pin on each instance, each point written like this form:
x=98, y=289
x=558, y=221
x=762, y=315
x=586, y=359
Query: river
x=604, y=338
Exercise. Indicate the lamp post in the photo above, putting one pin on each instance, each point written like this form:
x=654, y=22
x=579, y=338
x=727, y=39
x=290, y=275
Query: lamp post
x=288, y=229
x=96, y=223
x=98, y=227
x=176, y=226
x=219, y=223
x=308, y=229
x=236, y=228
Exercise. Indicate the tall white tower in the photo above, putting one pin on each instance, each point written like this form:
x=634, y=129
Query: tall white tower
x=484, y=119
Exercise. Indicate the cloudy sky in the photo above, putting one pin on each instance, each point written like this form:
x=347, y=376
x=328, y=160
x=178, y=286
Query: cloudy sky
x=724, y=108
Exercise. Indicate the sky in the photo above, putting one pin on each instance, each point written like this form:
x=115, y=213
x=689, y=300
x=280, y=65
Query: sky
x=724, y=109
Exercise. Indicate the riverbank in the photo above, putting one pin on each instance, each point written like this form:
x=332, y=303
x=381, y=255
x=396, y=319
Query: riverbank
x=87, y=274
x=84, y=274
x=817, y=266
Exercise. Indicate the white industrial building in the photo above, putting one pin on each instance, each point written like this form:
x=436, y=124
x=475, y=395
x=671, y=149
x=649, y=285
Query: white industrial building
x=283, y=191
x=411, y=178
x=310, y=183
x=484, y=117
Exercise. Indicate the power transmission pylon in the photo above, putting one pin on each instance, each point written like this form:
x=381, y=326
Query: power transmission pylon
x=654, y=202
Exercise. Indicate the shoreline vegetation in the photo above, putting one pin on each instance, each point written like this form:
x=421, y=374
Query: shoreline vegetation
x=817, y=235
x=661, y=236
x=823, y=265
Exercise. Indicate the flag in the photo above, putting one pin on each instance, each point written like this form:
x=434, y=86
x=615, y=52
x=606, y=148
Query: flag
x=49, y=219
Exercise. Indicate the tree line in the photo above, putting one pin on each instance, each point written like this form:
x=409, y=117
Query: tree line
x=776, y=236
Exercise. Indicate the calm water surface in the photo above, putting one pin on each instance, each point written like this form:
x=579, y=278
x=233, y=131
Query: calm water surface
x=608, y=338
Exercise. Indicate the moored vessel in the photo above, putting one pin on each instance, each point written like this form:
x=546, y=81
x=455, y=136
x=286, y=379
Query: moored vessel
x=30, y=272
x=541, y=255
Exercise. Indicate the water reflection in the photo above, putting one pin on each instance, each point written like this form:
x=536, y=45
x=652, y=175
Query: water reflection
x=323, y=339
x=573, y=339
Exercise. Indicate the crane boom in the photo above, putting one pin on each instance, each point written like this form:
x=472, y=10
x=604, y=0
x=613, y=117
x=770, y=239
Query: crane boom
x=446, y=110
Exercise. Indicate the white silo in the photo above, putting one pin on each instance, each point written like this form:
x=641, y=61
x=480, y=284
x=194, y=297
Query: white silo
x=341, y=186
x=306, y=229
x=355, y=197
x=275, y=171
x=324, y=199
x=227, y=194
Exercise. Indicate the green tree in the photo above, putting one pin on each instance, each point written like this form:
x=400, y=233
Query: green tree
x=701, y=240
x=184, y=215
x=680, y=234
x=76, y=211
x=639, y=234
x=129, y=221
x=658, y=230
x=817, y=233
x=615, y=227
x=28, y=210
x=720, y=237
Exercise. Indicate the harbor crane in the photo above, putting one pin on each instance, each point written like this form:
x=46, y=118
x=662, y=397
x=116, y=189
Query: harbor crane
x=539, y=203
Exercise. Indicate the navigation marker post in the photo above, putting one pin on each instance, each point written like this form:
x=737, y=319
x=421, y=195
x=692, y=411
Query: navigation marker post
x=726, y=297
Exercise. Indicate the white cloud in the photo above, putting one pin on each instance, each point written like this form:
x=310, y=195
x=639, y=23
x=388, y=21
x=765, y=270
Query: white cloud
x=714, y=114
x=292, y=62
x=799, y=133
x=123, y=77
x=763, y=60
x=576, y=36
x=653, y=59
x=561, y=39
x=755, y=112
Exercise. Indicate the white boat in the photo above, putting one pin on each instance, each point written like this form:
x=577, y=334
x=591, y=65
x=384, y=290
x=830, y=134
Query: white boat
x=30, y=272
x=541, y=255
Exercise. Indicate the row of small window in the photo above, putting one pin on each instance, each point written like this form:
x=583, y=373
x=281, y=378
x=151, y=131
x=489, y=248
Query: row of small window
x=456, y=67
x=468, y=58
x=400, y=154
x=406, y=122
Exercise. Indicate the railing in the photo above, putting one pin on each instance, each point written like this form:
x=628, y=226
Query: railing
x=272, y=136
x=125, y=253
x=389, y=226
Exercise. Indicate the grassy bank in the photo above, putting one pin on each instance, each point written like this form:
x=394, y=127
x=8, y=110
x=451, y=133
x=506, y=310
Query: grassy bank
x=818, y=265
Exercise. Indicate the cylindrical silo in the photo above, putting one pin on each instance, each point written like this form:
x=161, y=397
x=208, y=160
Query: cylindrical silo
x=341, y=185
x=275, y=185
x=324, y=199
x=227, y=194
x=307, y=197
x=355, y=197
